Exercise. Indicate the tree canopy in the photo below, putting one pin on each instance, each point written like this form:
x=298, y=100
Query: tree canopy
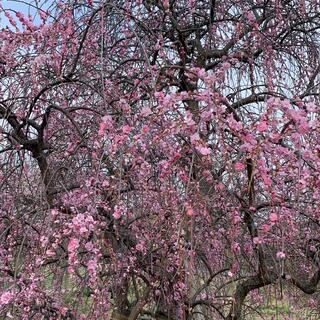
x=159, y=159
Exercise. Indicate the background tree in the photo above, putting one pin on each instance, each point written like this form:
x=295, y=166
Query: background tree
x=158, y=158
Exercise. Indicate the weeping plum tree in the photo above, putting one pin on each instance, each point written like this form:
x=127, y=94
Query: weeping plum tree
x=158, y=159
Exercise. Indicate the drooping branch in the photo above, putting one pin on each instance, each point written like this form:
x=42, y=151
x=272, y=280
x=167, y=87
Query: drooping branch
x=242, y=290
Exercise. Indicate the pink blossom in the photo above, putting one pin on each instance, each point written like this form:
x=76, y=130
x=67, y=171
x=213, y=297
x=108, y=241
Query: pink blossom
x=107, y=123
x=226, y=65
x=273, y=217
x=280, y=255
x=119, y=210
x=73, y=245
x=194, y=138
x=286, y=104
x=145, y=111
x=165, y=4
x=54, y=212
x=249, y=138
x=266, y=179
x=220, y=186
x=157, y=46
x=250, y=16
x=50, y=253
x=6, y=297
x=201, y=73
x=239, y=166
x=235, y=247
x=89, y=246
x=145, y=129
x=262, y=126
x=102, y=129
x=303, y=127
x=207, y=174
x=257, y=240
x=295, y=115
x=233, y=124
x=140, y=246
x=311, y=107
x=126, y=129
x=236, y=217
x=92, y=267
x=312, y=303
x=189, y=212
x=188, y=119
x=204, y=151
x=82, y=224
x=313, y=248
x=207, y=115
x=117, y=214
